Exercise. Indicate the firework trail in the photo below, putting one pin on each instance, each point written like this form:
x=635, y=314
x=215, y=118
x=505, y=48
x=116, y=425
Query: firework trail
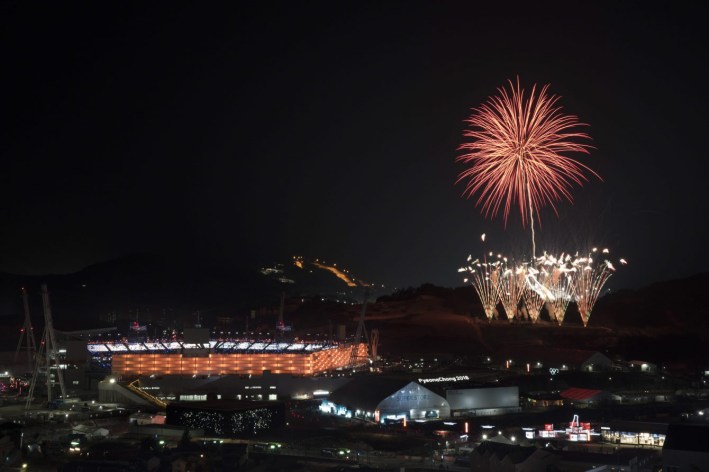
x=517, y=154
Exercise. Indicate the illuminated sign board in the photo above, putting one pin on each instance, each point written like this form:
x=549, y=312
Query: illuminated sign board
x=457, y=378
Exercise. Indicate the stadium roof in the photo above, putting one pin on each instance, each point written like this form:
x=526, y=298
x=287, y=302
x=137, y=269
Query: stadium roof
x=229, y=346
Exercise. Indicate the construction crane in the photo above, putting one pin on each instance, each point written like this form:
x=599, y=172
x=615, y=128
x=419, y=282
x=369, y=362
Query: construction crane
x=26, y=341
x=48, y=347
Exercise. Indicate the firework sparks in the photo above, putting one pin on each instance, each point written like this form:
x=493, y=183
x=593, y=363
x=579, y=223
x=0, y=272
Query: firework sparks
x=561, y=283
x=518, y=154
x=535, y=293
x=550, y=281
x=511, y=288
x=589, y=282
x=485, y=277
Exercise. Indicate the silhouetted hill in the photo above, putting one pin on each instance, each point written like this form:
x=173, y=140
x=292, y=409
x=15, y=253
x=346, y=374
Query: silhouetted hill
x=665, y=323
x=673, y=305
x=154, y=288
x=672, y=314
x=138, y=285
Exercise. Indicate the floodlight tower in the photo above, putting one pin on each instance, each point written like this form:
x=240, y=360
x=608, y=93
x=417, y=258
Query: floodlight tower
x=26, y=341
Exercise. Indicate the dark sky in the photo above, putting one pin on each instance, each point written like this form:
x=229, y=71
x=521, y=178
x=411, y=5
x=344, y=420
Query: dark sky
x=246, y=134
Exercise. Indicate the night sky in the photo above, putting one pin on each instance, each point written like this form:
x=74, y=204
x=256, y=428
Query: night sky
x=244, y=135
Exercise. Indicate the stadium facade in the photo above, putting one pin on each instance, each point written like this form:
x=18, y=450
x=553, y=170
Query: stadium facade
x=240, y=357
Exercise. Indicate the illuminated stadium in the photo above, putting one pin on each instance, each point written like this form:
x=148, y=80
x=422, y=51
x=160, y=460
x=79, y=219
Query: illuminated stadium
x=225, y=357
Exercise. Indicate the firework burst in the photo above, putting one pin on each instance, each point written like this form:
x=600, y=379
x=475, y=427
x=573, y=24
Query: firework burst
x=517, y=154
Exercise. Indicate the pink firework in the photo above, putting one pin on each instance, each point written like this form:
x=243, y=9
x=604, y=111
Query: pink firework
x=518, y=153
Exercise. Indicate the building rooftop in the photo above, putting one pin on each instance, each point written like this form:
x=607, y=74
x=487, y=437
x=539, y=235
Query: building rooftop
x=442, y=387
x=547, y=355
x=580, y=394
x=638, y=427
x=517, y=454
x=686, y=437
x=366, y=392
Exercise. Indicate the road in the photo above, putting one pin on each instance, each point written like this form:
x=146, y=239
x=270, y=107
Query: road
x=371, y=459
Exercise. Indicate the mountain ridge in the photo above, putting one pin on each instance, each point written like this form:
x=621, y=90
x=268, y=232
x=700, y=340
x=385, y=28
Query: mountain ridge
x=149, y=282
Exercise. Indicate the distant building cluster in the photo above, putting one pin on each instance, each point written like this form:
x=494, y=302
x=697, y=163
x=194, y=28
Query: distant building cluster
x=384, y=399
